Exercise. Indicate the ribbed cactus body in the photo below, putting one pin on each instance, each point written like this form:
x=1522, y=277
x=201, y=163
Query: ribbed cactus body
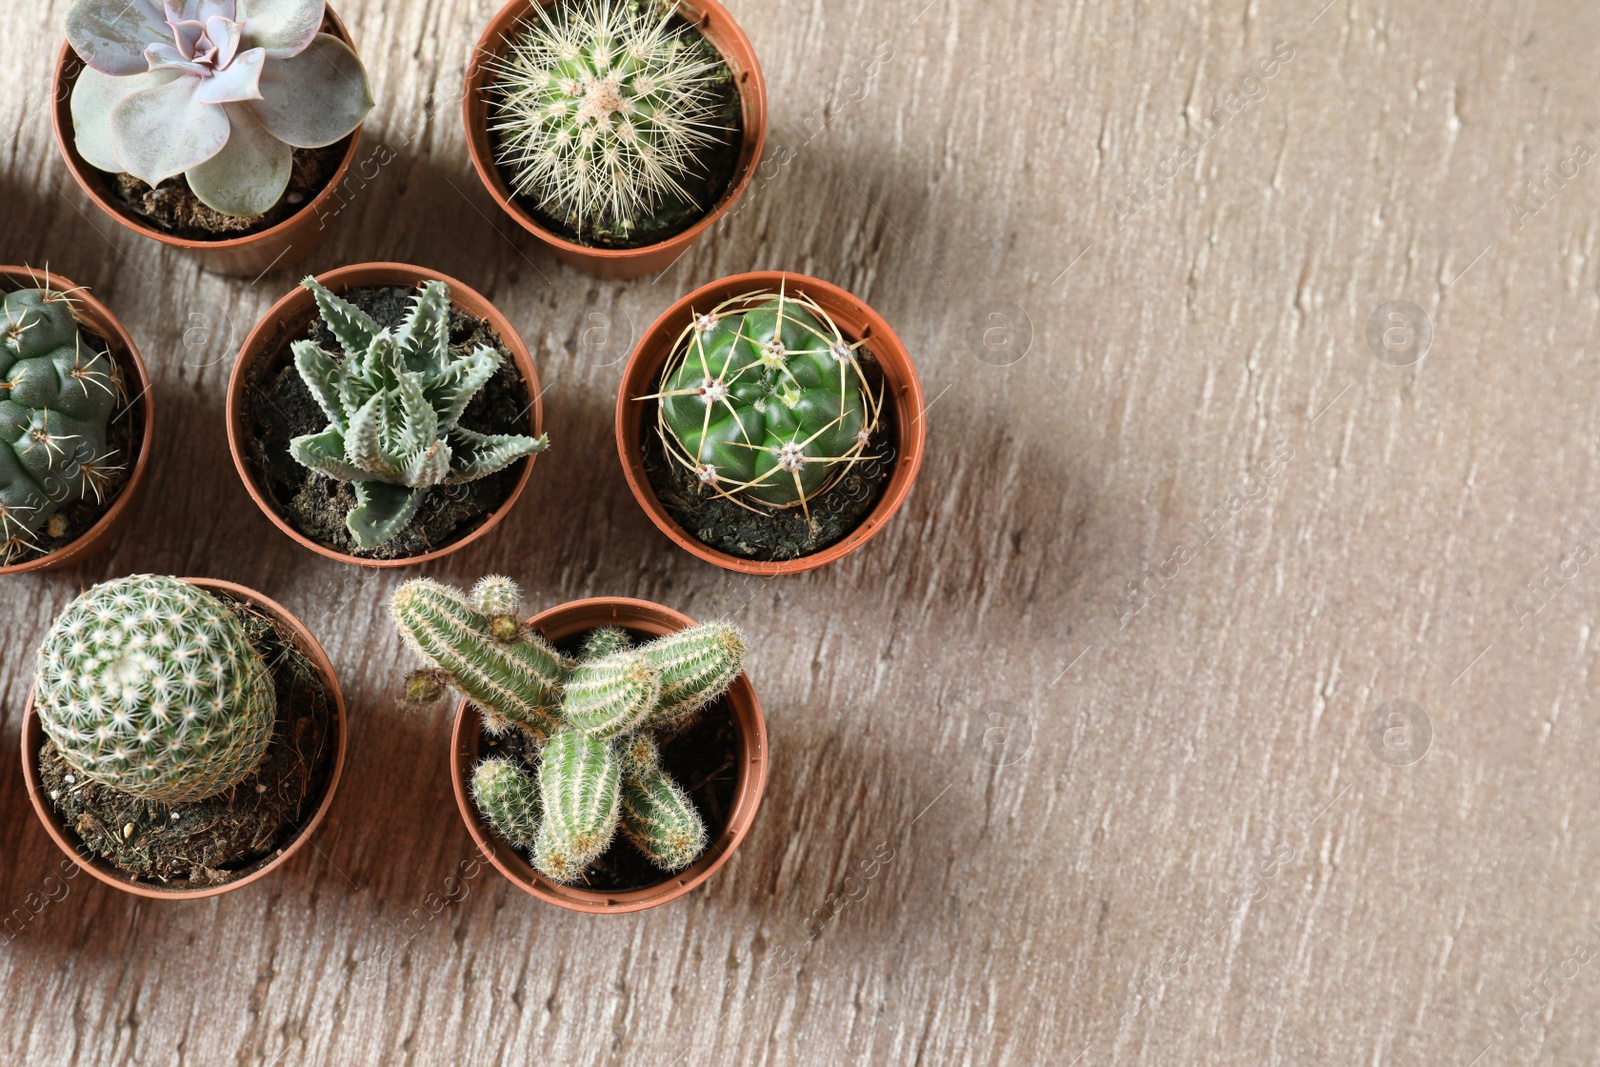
x=579, y=786
x=151, y=686
x=697, y=665
x=610, y=695
x=637, y=756
x=509, y=799
x=765, y=401
x=658, y=817
x=606, y=640
x=519, y=679
x=57, y=391
x=602, y=108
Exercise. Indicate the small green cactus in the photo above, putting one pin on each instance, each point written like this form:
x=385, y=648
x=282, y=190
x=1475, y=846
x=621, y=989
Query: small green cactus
x=598, y=719
x=658, y=817
x=150, y=685
x=57, y=391
x=509, y=799
x=580, y=788
x=508, y=671
x=602, y=110
x=394, y=402
x=765, y=402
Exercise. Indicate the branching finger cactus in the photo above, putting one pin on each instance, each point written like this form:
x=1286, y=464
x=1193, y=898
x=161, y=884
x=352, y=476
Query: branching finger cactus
x=483, y=651
x=394, y=402
x=151, y=686
x=602, y=108
x=509, y=799
x=57, y=391
x=220, y=91
x=594, y=722
x=765, y=402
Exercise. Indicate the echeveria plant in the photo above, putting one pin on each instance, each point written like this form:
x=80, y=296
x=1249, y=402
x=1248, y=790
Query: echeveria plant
x=220, y=91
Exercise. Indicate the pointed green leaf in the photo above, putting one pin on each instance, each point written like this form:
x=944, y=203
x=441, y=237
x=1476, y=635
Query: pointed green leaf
x=419, y=426
x=353, y=327
x=362, y=446
x=428, y=466
x=324, y=376
x=480, y=454
x=381, y=512
x=424, y=340
x=324, y=453
x=453, y=390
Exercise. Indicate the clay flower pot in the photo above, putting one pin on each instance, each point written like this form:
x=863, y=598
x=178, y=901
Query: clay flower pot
x=277, y=247
x=67, y=840
x=646, y=620
x=858, y=322
x=712, y=20
x=98, y=319
x=288, y=319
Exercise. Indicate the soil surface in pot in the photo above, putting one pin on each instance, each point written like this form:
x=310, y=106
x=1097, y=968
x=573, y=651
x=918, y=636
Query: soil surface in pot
x=124, y=437
x=703, y=187
x=213, y=841
x=171, y=208
x=784, y=533
x=278, y=407
x=703, y=758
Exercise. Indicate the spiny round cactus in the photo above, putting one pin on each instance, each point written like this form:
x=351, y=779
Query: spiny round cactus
x=151, y=686
x=611, y=694
x=765, y=401
x=697, y=665
x=602, y=108
x=579, y=787
x=509, y=799
x=659, y=819
x=512, y=675
x=57, y=391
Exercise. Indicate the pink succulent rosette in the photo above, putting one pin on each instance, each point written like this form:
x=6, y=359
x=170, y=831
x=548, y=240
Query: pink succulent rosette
x=220, y=91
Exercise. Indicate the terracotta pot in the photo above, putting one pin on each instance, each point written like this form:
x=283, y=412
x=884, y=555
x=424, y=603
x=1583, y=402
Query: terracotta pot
x=97, y=318
x=68, y=841
x=724, y=33
x=277, y=247
x=648, y=620
x=287, y=320
x=857, y=322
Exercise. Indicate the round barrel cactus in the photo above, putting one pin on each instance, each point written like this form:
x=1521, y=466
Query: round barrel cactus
x=57, y=390
x=765, y=401
x=150, y=685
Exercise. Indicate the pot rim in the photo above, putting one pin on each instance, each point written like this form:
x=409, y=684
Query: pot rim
x=99, y=319
x=577, y=616
x=731, y=43
x=462, y=296
x=859, y=322
x=33, y=738
x=84, y=174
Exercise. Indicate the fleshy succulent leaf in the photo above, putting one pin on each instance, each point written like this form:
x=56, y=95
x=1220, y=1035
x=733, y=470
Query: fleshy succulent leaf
x=451, y=391
x=424, y=339
x=283, y=27
x=251, y=172
x=323, y=375
x=382, y=510
x=363, y=443
x=164, y=130
x=241, y=80
x=419, y=423
x=479, y=454
x=111, y=35
x=93, y=97
x=315, y=97
x=353, y=328
x=427, y=466
x=324, y=453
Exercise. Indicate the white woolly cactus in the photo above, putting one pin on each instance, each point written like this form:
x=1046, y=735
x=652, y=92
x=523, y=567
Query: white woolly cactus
x=603, y=109
x=150, y=685
x=220, y=91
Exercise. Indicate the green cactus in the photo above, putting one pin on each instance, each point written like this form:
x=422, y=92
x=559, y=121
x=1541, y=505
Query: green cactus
x=659, y=819
x=579, y=787
x=606, y=640
x=637, y=756
x=602, y=111
x=57, y=391
x=509, y=799
x=393, y=403
x=512, y=674
x=697, y=665
x=610, y=695
x=765, y=402
x=151, y=686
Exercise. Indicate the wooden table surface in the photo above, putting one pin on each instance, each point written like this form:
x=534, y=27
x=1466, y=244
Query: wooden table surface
x=1149, y=261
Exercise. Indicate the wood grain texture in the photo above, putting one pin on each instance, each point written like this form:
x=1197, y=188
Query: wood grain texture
x=1159, y=837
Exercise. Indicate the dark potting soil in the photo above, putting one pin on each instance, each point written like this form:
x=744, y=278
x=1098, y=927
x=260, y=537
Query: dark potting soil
x=173, y=209
x=703, y=187
x=218, y=839
x=280, y=407
x=782, y=533
x=702, y=758
x=124, y=439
